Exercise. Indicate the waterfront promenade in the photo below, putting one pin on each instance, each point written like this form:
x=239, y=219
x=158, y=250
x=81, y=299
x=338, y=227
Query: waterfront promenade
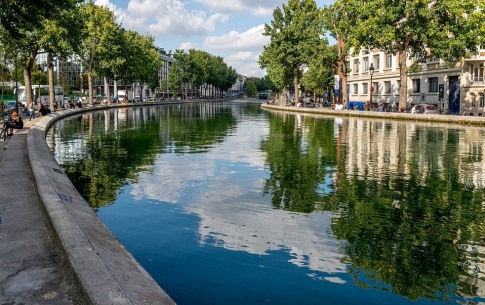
x=436, y=118
x=54, y=248
x=30, y=271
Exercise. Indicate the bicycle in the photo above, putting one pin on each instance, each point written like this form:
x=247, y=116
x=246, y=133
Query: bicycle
x=4, y=130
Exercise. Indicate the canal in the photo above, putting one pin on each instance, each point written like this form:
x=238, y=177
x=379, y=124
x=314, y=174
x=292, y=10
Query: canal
x=226, y=203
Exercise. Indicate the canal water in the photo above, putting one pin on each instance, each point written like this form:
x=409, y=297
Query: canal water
x=226, y=203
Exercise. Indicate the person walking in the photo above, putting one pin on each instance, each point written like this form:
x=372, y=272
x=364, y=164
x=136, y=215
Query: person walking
x=31, y=111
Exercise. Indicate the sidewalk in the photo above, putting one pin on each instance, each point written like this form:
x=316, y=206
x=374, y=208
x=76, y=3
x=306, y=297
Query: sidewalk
x=30, y=270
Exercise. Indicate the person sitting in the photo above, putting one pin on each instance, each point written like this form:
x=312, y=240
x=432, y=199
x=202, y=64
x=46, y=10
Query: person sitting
x=15, y=122
x=44, y=110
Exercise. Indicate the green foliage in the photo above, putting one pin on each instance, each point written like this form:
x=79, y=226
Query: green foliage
x=445, y=28
x=295, y=33
x=321, y=69
x=251, y=89
x=196, y=68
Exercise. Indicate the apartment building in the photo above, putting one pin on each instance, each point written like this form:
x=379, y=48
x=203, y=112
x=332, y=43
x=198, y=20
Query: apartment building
x=455, y=87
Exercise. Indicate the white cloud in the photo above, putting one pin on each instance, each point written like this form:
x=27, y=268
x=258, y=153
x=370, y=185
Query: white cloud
x=254, y=7
x=240, y=50
x=168, y=19
x=252, y=39
x=164, y=17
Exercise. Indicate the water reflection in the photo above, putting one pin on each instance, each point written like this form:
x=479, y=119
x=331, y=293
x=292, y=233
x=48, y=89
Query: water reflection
x=387, y=205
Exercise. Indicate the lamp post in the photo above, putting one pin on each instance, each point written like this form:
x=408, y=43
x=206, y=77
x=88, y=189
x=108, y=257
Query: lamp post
x=39, y=70
x=371, y=72
x=81, y=82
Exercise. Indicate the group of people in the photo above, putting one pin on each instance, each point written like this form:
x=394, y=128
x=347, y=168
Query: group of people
x=13, y=121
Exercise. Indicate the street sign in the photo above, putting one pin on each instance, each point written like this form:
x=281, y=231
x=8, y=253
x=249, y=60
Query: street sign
x=372, y=89
x=441, y=91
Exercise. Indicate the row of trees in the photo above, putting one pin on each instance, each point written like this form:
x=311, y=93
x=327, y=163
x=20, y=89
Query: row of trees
x=198, y=70
x=447, y=29
x=83, y=31
x=69, y=29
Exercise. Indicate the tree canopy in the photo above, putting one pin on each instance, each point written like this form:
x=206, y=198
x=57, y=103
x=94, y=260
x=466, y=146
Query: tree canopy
x=295, y=33
x=445, y=29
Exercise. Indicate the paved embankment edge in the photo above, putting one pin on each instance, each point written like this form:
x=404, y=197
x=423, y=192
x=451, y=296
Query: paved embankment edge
x=440, y=118
x=103, y=271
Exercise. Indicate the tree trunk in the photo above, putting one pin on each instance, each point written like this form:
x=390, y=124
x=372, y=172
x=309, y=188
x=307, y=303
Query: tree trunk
x=403, y=72
x=295, y=84
x=108, y=91
x=50, y=71
x=90, y=87
x=342, y=68
x=27, y=65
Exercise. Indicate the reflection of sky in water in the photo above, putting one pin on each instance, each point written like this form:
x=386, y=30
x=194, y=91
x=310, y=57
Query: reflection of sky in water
x=224, y=188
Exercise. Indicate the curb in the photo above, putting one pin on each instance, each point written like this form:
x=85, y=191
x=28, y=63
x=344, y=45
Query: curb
x=101, y=268
x=441, y=118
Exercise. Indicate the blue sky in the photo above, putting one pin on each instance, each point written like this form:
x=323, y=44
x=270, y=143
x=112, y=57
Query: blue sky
x=228, y=28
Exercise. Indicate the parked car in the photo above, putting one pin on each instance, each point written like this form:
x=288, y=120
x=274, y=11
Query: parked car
x=425, y=108
x=11, y=105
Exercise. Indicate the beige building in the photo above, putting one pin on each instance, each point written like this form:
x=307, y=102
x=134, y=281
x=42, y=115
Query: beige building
x=456, y=88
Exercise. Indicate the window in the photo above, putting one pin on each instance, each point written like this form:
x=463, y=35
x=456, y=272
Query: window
x=388, y=61
x=377, y=62
x=356, y=66
x=473, y=100
x=433, y=84
x=366, y=64
x=481, y=100
x=387, y=87
x=356, y=88
x=416, y=86
x=478, y=73
x=365, y=89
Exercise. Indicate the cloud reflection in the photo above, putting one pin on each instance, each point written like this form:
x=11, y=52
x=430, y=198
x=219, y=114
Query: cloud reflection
x=232, y=209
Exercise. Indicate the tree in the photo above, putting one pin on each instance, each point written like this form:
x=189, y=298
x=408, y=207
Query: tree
x=321, y=69
x=59, y=39
x=251, y=89
x=95, y=36
x=339, y=22
x=295, y=34
x=23, y=25
x=444, y=29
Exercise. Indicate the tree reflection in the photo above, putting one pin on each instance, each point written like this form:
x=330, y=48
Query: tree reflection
x=104, y=161
x=402, y=232
x=298, y=165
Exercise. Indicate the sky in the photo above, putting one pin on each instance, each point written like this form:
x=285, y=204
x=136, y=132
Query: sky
x=231, y=29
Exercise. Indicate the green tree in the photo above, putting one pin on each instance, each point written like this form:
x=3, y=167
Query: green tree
x=251, y=89
x=339, y=22
x=295, y=33
x=59, y=40
x=24, y=25
x=444, y=29
x=321, y=69
x=95, y=39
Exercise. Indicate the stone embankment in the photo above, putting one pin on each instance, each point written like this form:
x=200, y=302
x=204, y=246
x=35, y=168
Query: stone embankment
x=55, y=250
x=327, y=111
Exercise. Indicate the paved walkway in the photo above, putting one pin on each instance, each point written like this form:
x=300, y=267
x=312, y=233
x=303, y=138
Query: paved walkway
x=30, y=270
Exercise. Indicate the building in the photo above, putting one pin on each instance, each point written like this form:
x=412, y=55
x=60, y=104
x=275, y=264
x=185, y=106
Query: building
x=69, y=75
x=455, y=87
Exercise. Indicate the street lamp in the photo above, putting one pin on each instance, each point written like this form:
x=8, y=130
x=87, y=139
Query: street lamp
x=81, y=82
x=371, y=72
x=39, y=70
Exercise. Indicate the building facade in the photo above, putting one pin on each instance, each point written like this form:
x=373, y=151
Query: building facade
x=455, y=87
x=69, y=75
